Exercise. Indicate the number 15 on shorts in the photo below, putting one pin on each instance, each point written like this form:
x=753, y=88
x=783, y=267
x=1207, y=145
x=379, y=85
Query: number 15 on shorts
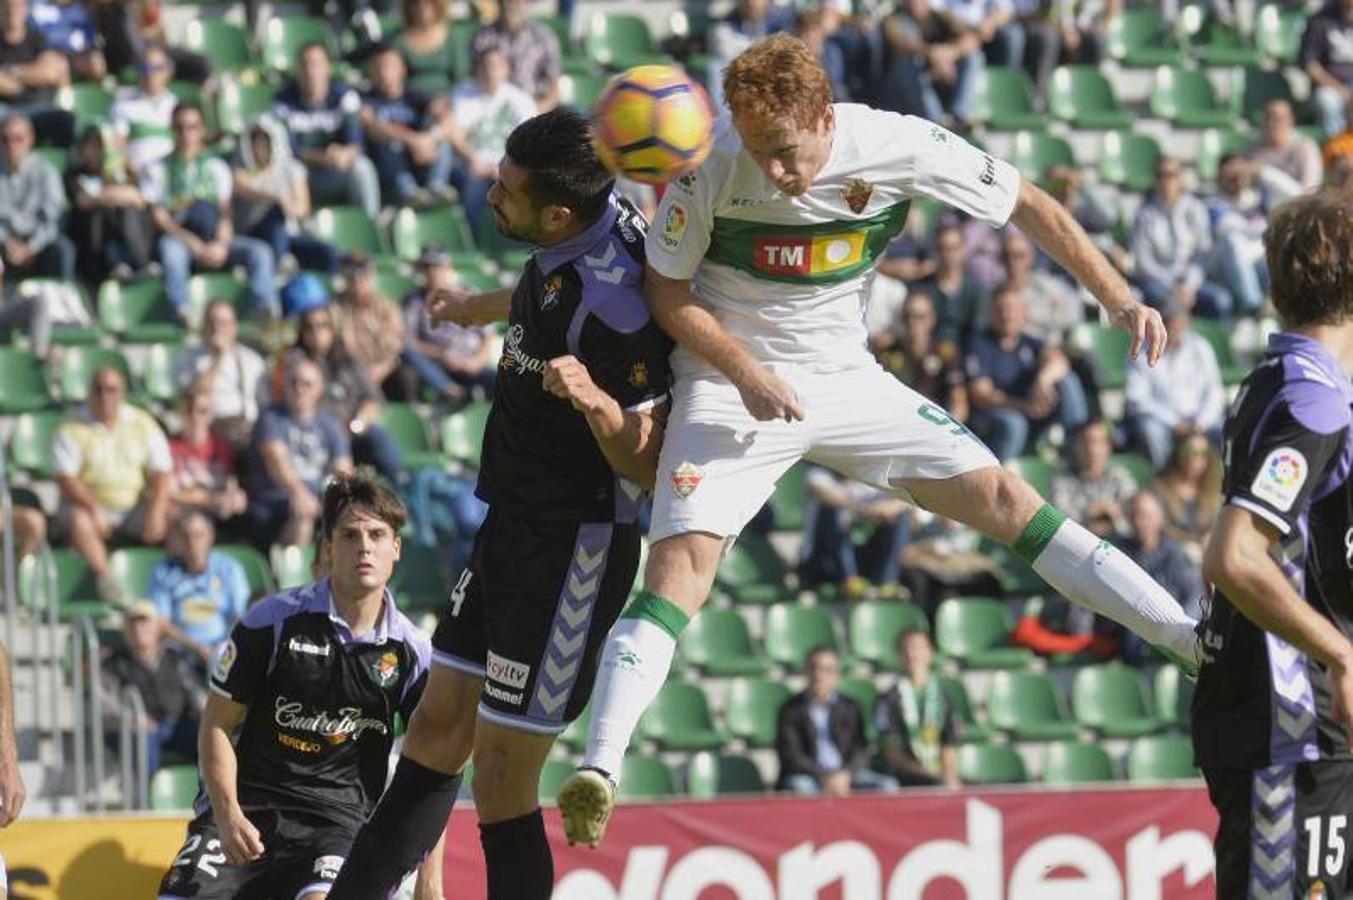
x=1326, y=839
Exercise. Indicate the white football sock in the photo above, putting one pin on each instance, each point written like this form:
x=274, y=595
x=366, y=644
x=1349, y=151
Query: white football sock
x=634, y=666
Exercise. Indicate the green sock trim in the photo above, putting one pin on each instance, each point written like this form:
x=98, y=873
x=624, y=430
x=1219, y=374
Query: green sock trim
x=661, y=612
x=1038, y=533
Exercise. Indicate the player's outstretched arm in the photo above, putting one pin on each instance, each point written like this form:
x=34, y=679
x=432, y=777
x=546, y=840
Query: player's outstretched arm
x=240, y=840
x=1237, y=561
x=629, y=439
x=681, y=314
x=1049, y=225
x=12, y=791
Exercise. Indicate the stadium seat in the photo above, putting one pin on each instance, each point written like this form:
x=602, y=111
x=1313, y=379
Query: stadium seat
x=255, y=567
x=463, y=433
x=77, y=593
x=157, y=372
x=680, y=719
x=1215, y=43
x=1075, y=762
x=90, y=103
x=239, y=104
x=866, y=694
x=1129, y=160
x=173, y=788
x=1035, y=470
x=581, y=90
x=552, y=777
x=1083, y=96
x=1219, y=336
x=77, y=367
x=874, y=626
x=1161, y=757
x=444, y=227
x=621, y=40
x=30, y=443
x=753, y=572
x=981, y=764
x=1028, y=706
x=1139, y=37
x=970, y=730
x=207, y=287
x=1005, y=101
x=1255, y=87
x=224, y=43
x=1186, y=99
x=409, y=430
x=419, y=582
x=976, y=632
x=1277, y=32
x=393, y=286
x=1215, y=143
x=1174, y=696
x=788, y=499
x=792, y=630
x=750, y=708
x=24, y=380
x=130, y=568
x=284, y=36
x=1136, y=465
x=1109, y=348
x=1034, y=153
x=718, y=643
x=63, y=335
x=1113, y=700
x=138, y=312
x=349, y=229
x=712, y=775
x=644, y=777
x=291, y=564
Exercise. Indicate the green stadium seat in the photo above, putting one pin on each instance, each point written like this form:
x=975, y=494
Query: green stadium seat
x=1277, y=32
x=77, y=367
x=1005, y=101
x=63, y=335
x=620, y=41
x=207, y=287
x=130, y=568
x=30, y=443
x=224, y=43
x=866, y=694
x=1186, y=99
x=444, y=227
x=558, y=25
x=1219, y=336
x=987, y=764
x=284, y=36
x=792, y=630
x=1034, y=153
x=750, y=708
x=970, y=730
x=874, y=626
x=1114, y=701
x=1129, y=160
x=1255, y=87
x=1213, y=145
x=552, y=777
x=138, y=312
x=255, y=567
x=1161, y=757
x=349, y=229
x=1035, y=470
x=645, y=778
x=1215, y=43
x=239, y=104
x=291, y=565
x=24, y=380
x=157, y=372
x=394, y=286
x=582, y=90
x=712, y=775
x=1140, y=38
x=753, y=572
x=463, y=433
x=77, y=592
x=406, y=425
x=788, y=499
x=419, y=582
x=57, y=157
x=1174, y=697
x=173, y=788
x=1028, y=706
x=718, y=643
x=1109, y=347
x=1074, y=762
x=1083, y=96
x=1136, y=465
x=976, y=632
x=680, y=719
x=89, y=102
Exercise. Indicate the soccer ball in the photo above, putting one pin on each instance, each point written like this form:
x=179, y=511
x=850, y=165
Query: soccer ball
x=653, y=124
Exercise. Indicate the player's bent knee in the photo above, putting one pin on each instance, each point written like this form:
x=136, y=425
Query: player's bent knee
x=507, y=764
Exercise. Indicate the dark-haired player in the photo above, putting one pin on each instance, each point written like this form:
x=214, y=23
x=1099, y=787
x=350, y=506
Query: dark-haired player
x=571, y=443
x=297, y=732
x=1271, y=713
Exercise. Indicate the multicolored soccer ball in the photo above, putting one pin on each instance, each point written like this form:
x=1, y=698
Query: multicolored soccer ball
x=653, y=124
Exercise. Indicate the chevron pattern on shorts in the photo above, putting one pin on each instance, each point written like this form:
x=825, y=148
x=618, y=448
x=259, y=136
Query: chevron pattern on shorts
x=1273, y=834
x=629, y=497
x=572, y=618
x=1293, y=730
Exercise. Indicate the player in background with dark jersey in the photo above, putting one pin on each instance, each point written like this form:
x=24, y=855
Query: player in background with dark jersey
x=571, y=444
x=297, y=732
x=1271, y=712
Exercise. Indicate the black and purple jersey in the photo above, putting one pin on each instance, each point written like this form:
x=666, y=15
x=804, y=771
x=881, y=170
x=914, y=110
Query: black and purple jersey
x=322, y=702
x=1288, y=456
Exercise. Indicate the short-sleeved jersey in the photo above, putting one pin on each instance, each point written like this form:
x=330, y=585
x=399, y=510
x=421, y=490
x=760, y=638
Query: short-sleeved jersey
x=322, y=702
x=582, y=297
x=1289, y=451
x=789, y=276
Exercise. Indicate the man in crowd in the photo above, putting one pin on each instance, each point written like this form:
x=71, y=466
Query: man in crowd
x=143, y=117
x=1172, y=246
x=922, y=360
x=1327, y=56
x=233, y=372
x=30, y=72
x=1288, y=162
x=198, y=591
x=406, y=132
x=530, y=49
x=917, y=727
x=31, y=200
x=447, y=358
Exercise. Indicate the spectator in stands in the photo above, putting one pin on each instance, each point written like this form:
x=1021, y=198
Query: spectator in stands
x=30, y=73
x=1239, y=215
x=1327, y=56
x=1083, y=28
x=1189, y=490
x=447, y=358
x=189, y=193
x=108, y=221
x=819, y=736
x=164, y=675
x=917, y=727
x=1288, y=162
x=296, y=446
x=1018, y=385
x=406, y=133
x=31, y=242
x=809, y=28
x=425, y=42
x=204, y=461
x=1053, y=304
x=958, y=297
x=850, y=35
x=143, y=116
x=994, y=24
x=198, y=591
x=272, y=199
x=1096, y=489
x=128, y=28
x=232, y=373
x=68, y=27
x=1180, y=394
x=922, y=360
x=748, y=22
x=530, y=49
x=484, y=110
x=322, y=117
x=836, y=509
x=370, y=328
x=112, y=467
x=934, y=65
x=1147, y=544
x=1172, y=246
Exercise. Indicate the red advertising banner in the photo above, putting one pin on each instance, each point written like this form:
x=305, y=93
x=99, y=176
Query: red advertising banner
x=1028, y=844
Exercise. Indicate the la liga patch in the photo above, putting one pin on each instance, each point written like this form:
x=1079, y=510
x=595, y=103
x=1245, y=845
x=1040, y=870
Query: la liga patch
x=1281, y=477
x=225, y=661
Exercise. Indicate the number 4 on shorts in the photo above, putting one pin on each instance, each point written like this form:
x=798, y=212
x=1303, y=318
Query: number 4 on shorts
x=458, y=592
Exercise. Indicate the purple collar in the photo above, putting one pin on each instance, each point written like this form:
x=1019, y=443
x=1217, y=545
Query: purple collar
x=323, y=599
x=1287, y=342
x=551, y=258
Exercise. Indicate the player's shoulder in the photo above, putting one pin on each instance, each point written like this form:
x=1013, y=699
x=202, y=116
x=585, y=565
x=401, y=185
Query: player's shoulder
x=611, y=273
x=1316, y=397
x=275, y=609
x=710, y=179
